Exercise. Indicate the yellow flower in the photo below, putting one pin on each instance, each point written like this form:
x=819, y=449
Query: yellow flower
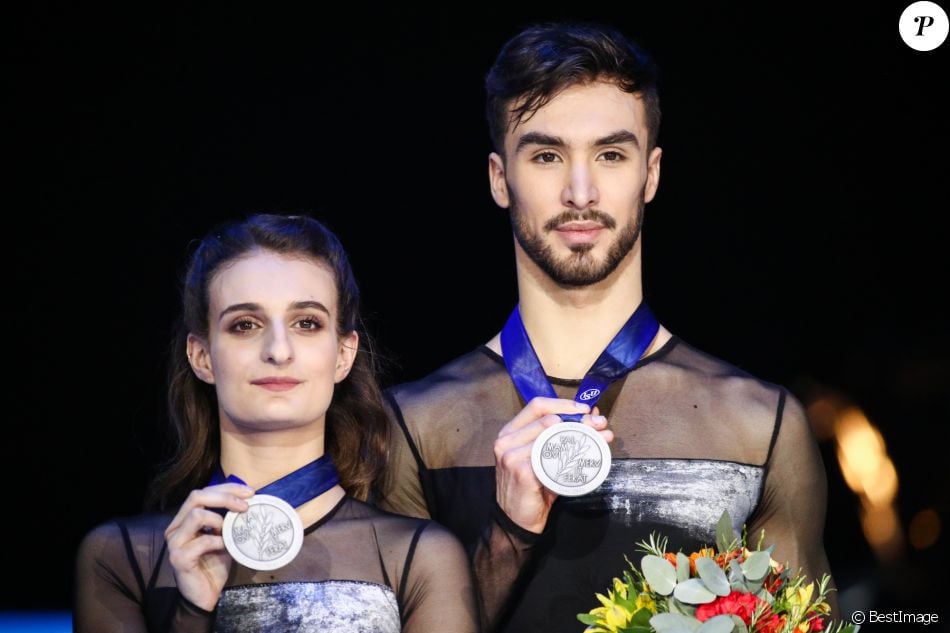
x=798, y=599
x=620, y=589
x=645, y=601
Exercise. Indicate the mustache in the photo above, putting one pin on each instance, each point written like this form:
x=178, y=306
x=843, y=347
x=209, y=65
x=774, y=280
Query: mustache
x=587, y=215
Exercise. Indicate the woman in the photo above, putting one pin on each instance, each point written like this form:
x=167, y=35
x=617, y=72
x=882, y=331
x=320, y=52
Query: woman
x=270, y=391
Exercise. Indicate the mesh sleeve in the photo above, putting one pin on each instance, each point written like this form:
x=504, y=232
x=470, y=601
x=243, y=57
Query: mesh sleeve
x=402, y=487
x=438, y=589
x=110, y=586
x=792, y=509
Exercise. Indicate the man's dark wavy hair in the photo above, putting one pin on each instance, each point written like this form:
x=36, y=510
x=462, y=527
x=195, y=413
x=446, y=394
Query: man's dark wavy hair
x=544, y=59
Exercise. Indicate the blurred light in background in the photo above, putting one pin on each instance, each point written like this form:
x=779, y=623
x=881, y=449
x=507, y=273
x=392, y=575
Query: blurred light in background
x=868, y=471
x=924, y=529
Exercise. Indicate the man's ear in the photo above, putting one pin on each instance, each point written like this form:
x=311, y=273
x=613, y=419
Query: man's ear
x=496, y=180
x=346, y=355
x=199, y=357
x=653, y=174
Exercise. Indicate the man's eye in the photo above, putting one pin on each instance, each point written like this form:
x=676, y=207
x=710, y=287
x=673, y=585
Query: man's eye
x=613, y=157
x=546, y=157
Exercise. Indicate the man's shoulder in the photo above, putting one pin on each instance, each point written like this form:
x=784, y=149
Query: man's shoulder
x=458, y=378
x=723, y=380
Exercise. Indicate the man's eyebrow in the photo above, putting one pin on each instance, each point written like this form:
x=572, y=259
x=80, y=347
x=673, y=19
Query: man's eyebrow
x=614, y=138
x=618, y=138
x=254, y=307
x=538, y=138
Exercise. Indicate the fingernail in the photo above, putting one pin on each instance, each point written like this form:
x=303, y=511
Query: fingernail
x=599, y=419
x=581, y=406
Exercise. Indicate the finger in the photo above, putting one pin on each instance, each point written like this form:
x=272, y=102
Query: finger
x=596, y=422
x=189, y=556
x=515, y=458
x=539, y=407
x=599, y=424
x=198, y=520
x=229, y=498
x=525, y=436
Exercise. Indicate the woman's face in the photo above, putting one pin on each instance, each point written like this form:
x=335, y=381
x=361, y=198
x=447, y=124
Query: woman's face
x=273, y=352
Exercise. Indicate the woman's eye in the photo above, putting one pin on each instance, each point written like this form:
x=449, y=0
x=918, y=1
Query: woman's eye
x=244, y=325
x=309, y=324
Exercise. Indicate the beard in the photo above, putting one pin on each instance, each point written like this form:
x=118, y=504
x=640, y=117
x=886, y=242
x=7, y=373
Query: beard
x=579, y=268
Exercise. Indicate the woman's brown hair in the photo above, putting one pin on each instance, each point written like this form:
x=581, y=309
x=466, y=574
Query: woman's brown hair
x=356, y=426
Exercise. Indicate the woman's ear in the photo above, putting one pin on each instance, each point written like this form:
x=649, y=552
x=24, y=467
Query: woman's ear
x=199, y=357
x=346, y=355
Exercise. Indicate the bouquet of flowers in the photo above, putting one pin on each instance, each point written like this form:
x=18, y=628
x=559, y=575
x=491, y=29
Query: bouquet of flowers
x=728, y=589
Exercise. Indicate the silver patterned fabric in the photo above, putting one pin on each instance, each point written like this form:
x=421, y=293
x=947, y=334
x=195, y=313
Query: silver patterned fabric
x=689, y=493
x=332, y=606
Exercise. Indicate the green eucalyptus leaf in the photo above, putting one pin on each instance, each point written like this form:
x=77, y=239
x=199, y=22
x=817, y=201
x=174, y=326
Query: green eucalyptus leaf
x=756, y=566
x=717, y=624
x=713, y=576
x=740, y=625
x=675, y=606
x=724, y=532
x=736, y=577
x=682, y=567
x=693, y=591
x=674, y=623
x=659, y=573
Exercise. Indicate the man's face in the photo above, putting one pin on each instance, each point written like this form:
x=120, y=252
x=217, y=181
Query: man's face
x=575, y=180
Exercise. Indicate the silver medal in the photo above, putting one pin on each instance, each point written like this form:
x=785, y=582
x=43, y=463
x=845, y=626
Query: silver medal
x=267, y=536
x=570, y=459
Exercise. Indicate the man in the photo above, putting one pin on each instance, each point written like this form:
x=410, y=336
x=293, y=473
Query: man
x=574, y=115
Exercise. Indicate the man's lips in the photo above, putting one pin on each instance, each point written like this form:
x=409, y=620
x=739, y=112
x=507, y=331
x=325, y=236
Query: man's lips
x=580, y=232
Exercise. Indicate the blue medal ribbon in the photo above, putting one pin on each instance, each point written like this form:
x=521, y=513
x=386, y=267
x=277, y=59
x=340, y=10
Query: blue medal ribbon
x=615, y=362
x=297, y=488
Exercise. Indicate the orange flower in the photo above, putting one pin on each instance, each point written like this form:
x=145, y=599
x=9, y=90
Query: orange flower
x=705, y=552
x=723, y=559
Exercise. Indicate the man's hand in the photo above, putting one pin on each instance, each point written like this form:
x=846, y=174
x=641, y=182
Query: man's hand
x=519, y=493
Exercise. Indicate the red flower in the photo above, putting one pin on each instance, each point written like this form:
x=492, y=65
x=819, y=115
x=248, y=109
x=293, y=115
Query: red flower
x=772, y=583
x=744, y=606
x=736, y=603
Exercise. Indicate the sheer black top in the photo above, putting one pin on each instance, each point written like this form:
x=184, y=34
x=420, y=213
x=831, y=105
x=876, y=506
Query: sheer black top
x=360, y=569
x=694, y=436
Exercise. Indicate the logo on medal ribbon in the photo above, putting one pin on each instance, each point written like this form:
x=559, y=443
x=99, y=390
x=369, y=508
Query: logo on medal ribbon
x=590, y=394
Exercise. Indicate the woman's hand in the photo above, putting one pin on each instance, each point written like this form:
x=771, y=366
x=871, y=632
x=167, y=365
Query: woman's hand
x=195, y=545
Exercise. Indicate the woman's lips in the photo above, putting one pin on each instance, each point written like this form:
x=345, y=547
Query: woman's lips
x=276, y=383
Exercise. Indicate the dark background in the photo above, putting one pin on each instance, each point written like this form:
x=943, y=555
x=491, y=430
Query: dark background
x=798, y=231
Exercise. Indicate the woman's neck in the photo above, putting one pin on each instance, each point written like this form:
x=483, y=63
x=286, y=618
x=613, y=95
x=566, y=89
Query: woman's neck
x=262, y=457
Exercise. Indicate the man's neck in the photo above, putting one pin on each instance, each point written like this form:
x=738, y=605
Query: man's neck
x=570, y=327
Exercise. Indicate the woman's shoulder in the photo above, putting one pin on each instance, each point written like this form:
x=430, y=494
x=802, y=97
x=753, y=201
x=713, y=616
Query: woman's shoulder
x=119, y=535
